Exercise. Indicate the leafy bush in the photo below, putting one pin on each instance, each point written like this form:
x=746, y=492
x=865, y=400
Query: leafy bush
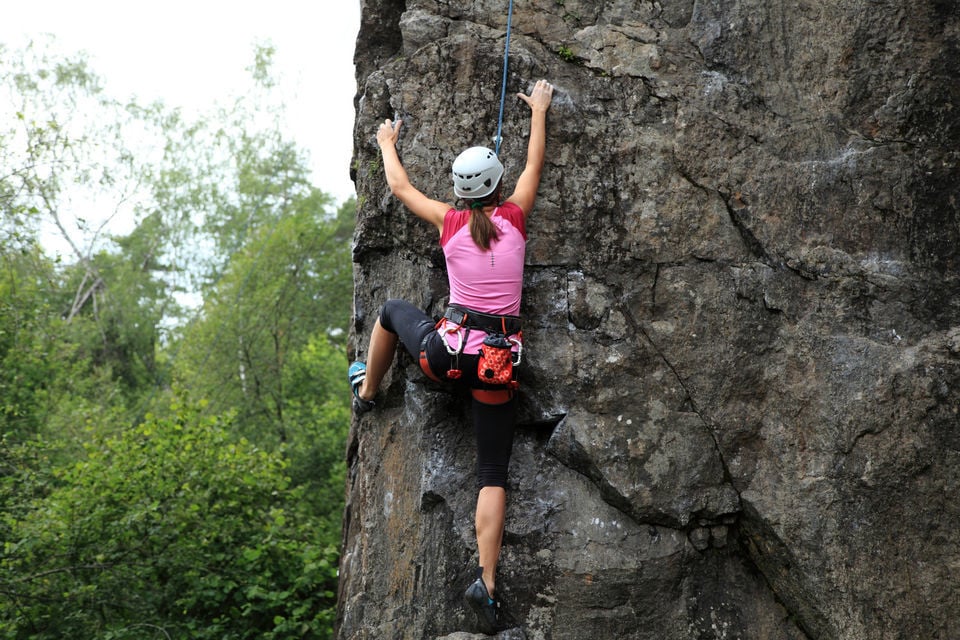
x=172, y=529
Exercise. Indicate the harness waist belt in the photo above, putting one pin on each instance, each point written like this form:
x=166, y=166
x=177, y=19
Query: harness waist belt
x=507, y=325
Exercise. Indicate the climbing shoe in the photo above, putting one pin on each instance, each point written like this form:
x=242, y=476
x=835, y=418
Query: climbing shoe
x=356, y=374
x=489, y=613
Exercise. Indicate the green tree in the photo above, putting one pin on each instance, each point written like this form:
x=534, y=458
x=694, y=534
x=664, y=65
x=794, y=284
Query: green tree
x=122, y=296
x=290, y=283
x=319, y=415
x=270, y=345
x=49, y=386
x=65, y=159
x=174, y=526
x=83, y=344
x=25, y=275
x=183, y=523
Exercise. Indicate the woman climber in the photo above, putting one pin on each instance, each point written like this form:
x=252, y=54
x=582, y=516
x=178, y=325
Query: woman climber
x=484, y=248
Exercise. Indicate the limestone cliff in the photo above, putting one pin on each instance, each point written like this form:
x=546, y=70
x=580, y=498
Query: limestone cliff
x=740, y=393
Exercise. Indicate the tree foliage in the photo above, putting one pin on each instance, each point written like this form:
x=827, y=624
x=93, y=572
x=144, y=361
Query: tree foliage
x=288, y=285
x=174, y=525
x=173, y=410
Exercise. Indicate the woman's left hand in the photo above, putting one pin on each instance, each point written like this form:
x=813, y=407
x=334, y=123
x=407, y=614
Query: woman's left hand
x=539, y=98
x=389, y=132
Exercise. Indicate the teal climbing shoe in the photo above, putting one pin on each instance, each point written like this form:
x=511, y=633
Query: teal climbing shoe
x=356, y=374
x=489, y=614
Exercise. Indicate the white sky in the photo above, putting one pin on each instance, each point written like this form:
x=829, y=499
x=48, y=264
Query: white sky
x=194, y=53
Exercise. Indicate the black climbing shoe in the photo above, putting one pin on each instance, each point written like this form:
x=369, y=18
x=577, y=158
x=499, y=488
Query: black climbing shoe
x=356, y=375
x=489, y=614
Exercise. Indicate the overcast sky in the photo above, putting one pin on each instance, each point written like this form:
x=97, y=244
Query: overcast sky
x=195, y=53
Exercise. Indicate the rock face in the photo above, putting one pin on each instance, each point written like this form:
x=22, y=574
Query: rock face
x=742, y=377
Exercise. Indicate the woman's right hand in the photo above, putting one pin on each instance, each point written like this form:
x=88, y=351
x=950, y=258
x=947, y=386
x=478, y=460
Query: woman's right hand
x=389, y=132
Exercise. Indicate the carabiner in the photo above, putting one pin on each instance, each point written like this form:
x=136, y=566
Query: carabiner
x=448, y=330
x=519, y=350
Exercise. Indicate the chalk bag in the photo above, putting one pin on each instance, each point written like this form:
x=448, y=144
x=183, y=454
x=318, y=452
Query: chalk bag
x=496, y=360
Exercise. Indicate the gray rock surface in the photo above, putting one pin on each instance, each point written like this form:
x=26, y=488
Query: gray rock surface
x=742, y=377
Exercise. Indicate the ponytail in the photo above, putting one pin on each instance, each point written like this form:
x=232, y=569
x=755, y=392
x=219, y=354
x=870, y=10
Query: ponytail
x=482, y=230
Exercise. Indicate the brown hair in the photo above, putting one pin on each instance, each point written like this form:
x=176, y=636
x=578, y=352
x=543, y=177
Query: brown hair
x=482, y=230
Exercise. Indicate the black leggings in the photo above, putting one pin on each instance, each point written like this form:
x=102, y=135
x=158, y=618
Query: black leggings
x=492, y=423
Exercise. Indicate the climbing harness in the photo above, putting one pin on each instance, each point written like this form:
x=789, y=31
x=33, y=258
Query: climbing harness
x=445, y=329
x=496, y=364
x=503, y=83
x=491, y=323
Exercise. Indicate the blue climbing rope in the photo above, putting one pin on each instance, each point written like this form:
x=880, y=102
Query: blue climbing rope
x=503, y=84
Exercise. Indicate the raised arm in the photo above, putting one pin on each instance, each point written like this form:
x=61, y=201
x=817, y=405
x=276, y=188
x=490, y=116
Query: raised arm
x=525, y=193
x=432, y=211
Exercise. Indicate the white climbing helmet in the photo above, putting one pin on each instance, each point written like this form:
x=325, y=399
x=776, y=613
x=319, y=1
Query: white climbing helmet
x=476, y=173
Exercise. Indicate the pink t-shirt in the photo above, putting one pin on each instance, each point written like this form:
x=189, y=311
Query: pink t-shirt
x=490, y=280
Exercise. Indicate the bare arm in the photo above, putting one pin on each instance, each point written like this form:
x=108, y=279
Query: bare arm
x=432, y=211
x=525, y=193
